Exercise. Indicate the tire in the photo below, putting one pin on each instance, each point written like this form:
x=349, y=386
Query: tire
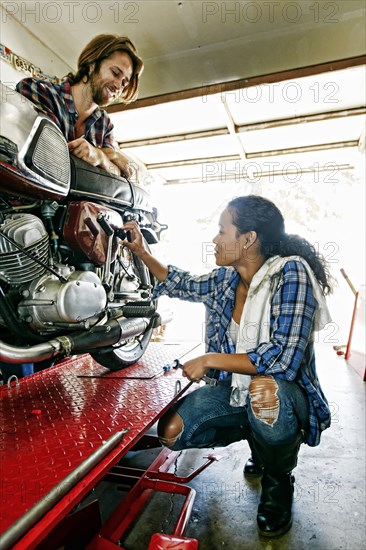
x=129, y=352
x=118, y=358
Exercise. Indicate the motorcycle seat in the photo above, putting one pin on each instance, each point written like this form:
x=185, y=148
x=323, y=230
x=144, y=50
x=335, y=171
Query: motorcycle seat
x=94, y=183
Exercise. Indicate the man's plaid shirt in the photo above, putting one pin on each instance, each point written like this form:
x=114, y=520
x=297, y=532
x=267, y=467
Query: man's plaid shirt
x=290, y=352
x=55, y=100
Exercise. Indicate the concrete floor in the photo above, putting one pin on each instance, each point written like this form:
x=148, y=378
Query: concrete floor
x=329, y=507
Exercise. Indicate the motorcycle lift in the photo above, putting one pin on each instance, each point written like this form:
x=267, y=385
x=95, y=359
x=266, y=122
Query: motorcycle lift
x=66, y=428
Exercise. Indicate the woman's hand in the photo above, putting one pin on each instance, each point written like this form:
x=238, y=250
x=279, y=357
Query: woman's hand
x=136, y=241
x=229, y=362
x=136, y=245
x=195, y=369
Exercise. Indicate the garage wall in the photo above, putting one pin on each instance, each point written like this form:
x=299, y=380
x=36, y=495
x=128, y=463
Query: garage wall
x=24, y=44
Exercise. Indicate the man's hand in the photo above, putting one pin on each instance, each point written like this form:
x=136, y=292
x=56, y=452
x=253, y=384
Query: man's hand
x=84, y=150
x=119, y=160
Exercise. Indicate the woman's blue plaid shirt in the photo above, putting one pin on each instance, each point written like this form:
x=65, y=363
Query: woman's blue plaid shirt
x=290, y=352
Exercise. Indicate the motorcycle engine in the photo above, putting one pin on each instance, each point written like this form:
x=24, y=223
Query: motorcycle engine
x=17, y=265
x=48, y=303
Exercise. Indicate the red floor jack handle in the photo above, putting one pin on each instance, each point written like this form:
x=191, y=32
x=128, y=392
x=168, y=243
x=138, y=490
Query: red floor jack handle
x=155, y=478
x=348, y=346
x=342, y=349
x=348, y=281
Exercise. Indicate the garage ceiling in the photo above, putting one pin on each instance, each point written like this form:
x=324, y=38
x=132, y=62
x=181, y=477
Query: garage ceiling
x=187, y=44
x=291, y=127
x=300, y=121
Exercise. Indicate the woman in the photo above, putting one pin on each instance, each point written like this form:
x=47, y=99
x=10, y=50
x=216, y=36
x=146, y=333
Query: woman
x=261, y=355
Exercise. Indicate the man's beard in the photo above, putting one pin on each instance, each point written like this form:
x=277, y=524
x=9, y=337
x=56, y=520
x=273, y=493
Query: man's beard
x=97, y=91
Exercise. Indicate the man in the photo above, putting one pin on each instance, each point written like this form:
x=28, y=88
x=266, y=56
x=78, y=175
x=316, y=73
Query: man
x=108, y=69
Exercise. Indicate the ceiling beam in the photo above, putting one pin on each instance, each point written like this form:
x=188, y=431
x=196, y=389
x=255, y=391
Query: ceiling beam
x=223, y=87
x=258, y=154
x=303, y=149
x=316, y=117
x=233, y=130
x=174, y=138
x=192, y=162
x=268, y=174
x=354, y=111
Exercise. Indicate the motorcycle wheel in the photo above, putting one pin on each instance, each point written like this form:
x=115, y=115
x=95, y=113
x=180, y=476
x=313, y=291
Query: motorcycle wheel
x=118, y=358
x=129, y=353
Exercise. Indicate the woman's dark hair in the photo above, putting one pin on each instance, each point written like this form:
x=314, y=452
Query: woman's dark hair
x=101, y=47
x=255, y=213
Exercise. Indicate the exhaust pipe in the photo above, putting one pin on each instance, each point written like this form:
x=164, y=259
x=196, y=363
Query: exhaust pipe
x=113, y=332
x=32, y=354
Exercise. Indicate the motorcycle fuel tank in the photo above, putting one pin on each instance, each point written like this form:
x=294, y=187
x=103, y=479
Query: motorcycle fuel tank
x=34, y=157
x=83, y=232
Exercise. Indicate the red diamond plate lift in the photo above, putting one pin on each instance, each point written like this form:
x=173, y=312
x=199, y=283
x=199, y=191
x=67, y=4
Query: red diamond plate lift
x=64, y=428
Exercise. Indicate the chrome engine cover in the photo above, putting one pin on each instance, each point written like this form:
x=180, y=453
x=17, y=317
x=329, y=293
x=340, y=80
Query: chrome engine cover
x=50, y=304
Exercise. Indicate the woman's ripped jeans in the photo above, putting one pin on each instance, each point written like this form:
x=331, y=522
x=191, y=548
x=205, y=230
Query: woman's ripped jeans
x=276, y=410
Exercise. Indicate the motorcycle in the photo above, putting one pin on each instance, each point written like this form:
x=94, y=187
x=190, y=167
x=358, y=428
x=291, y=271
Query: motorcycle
x=67, y=285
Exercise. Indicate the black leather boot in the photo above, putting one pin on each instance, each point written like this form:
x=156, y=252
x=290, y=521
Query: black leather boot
x=274, y=516
x=253, y=467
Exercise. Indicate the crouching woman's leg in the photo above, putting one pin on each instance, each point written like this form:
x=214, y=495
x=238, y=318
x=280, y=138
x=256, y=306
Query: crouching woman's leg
x=170, y=428
x=278, y=415
x=204, y=418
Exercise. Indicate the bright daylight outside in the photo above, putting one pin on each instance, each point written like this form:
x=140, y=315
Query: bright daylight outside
x=299, y=143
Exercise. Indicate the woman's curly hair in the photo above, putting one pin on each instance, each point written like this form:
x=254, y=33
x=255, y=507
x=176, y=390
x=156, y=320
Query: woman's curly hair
x=255, y=213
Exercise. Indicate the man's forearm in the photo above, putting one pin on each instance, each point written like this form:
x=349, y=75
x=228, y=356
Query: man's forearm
x=84, y=150
x=119, y=160
x=108, y=165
